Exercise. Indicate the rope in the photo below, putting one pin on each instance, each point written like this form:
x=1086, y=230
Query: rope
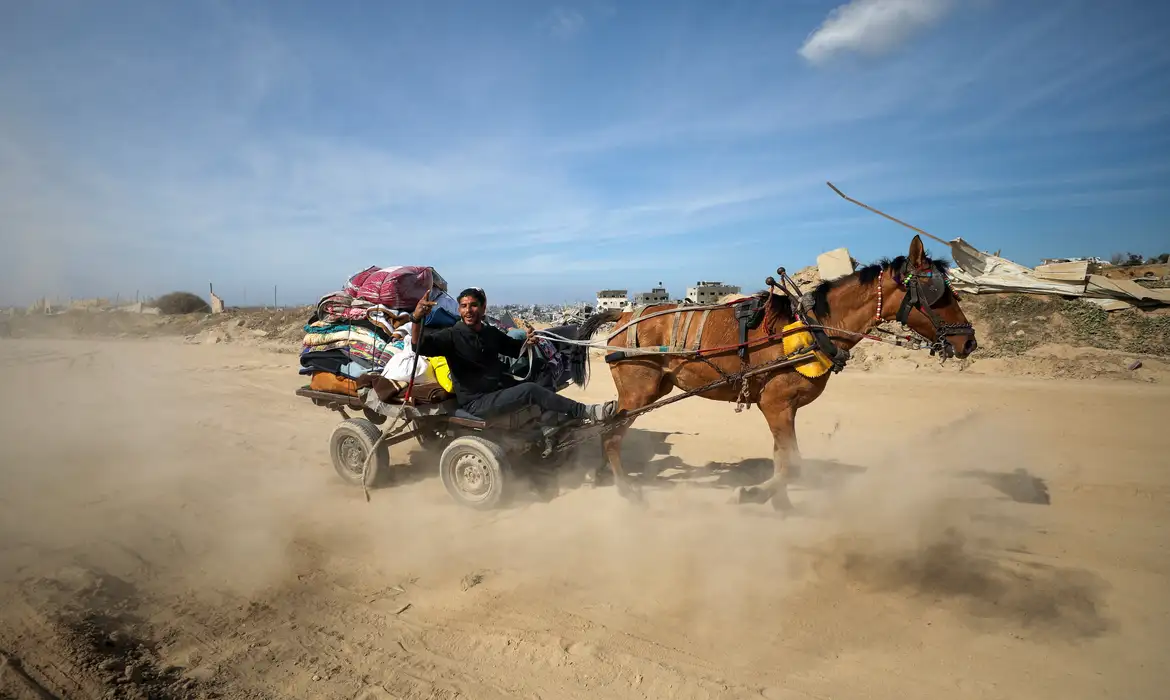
x=589, y=432
x=648, y=350
x=899, y=341
x=685, y=308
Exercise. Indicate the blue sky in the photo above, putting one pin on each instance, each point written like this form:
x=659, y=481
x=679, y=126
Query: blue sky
x=544, y=150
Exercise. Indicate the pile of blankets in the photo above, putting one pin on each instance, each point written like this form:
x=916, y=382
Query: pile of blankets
x=365, y=328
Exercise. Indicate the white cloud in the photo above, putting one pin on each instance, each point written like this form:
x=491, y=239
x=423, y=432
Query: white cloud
x=565, y=23
x=872, y=27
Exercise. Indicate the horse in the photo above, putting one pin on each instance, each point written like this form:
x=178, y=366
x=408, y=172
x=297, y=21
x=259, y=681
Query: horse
x=912, y=289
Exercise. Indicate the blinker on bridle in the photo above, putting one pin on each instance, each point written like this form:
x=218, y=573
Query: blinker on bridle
x=925, y=288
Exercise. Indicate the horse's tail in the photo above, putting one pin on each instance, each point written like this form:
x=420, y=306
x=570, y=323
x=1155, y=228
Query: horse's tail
x=579, y=358
x=597, y=320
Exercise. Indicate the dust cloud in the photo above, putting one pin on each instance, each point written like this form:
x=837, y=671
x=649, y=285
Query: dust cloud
x=180, y=494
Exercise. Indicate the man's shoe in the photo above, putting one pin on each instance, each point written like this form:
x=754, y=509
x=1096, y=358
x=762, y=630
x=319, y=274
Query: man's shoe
x=601, y=412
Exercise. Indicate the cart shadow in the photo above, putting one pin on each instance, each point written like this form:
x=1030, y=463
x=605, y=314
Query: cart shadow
x=646, y=454
x=420, y=465
x=813, y=474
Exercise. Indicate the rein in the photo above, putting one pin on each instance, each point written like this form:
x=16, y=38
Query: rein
x=922, y=287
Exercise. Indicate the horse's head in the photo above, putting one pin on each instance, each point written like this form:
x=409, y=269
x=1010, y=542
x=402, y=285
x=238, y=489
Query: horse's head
x=926, y=303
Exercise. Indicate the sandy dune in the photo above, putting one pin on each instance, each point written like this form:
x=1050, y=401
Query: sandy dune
x=170, y=527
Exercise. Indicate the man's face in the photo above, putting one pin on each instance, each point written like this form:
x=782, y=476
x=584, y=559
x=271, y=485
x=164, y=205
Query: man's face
x=470, y=310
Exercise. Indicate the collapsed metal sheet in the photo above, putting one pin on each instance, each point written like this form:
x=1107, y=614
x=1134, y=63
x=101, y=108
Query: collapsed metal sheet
x=977, y=272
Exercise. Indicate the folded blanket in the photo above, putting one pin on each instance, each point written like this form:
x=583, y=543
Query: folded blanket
x=375, y=356
x=327, y=381
x=315, y=339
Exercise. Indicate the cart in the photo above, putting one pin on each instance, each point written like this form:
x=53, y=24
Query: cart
x=481, y=461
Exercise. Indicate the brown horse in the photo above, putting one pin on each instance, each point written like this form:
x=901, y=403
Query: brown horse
x=910, y=288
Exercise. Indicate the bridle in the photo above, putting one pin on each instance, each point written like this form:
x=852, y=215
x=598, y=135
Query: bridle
x=925, y=287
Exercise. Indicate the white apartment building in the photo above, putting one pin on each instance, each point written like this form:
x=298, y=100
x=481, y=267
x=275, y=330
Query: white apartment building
x=612, y=299
x=710, y=292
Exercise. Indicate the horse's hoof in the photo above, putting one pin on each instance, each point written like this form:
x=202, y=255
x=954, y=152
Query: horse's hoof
x=750, y=494
x=632, y=493
x=782, y=505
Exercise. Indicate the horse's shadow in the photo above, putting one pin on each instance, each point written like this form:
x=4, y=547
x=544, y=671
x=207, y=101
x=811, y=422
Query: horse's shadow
x=647, y=454
x=1018, y=485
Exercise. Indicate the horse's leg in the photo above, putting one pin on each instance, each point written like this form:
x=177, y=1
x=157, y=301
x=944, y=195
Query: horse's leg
x=635, y=391
x=781, y=417
x=595, y=472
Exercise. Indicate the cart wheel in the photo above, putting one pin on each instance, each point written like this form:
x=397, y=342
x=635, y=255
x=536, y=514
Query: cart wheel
x=349, y=445
x=473, y=470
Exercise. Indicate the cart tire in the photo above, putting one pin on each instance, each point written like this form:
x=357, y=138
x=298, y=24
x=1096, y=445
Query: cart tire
x=474, y=471
x=350, y=443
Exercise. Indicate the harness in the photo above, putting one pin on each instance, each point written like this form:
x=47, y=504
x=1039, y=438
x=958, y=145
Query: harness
x=748, y=313
x=925, y=287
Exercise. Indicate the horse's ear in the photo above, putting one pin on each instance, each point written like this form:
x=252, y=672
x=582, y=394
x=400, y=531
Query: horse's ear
x=917, y=253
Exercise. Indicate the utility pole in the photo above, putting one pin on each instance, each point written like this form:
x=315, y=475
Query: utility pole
x=274, y=297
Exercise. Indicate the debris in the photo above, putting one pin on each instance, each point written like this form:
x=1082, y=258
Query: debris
x=402, y=609
x=834, y=264
x=471, y=581
x=1136, y=364
x=976, y=272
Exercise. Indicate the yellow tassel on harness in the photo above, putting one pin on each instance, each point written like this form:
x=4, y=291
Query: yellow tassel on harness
x=796, y=340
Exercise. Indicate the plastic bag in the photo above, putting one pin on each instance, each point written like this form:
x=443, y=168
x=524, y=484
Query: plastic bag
x=442, y=373
x=398, y=368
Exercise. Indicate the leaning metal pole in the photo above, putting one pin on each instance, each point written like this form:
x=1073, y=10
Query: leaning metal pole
x=882, y=213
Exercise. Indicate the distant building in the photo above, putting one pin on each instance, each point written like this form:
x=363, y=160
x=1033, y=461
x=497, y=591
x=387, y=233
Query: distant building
x=657, y=295
x=710, y=292
x=1055, y=261
x=612, y=299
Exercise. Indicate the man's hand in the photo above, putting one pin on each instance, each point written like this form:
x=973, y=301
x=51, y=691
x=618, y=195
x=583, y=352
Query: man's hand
x=530, y=338
x=422, y=309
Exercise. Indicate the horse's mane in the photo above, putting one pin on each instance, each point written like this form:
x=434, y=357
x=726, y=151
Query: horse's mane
x=779, y=305
x=865, y=275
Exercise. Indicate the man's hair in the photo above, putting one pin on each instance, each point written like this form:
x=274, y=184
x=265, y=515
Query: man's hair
x=475, y=293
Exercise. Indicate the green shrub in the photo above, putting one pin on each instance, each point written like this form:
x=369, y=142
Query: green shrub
x=1088, y=324
x=182, y=303
x=1145, y=334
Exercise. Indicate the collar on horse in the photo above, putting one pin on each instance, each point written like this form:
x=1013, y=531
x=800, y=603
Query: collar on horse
x=802, y=308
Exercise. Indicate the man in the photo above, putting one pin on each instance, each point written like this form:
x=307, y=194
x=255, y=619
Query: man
x=482, y=388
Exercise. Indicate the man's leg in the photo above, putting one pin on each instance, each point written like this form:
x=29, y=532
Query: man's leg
x=526, y=394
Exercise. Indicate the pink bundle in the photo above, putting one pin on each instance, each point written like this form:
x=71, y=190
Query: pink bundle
x=399, y=288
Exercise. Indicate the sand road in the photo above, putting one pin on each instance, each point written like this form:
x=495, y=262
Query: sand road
x=170, y=527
